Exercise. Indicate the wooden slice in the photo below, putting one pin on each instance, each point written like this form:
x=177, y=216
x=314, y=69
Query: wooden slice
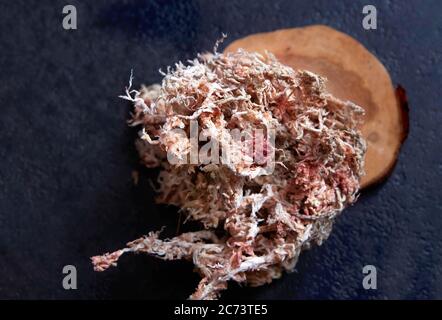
x=353, y=74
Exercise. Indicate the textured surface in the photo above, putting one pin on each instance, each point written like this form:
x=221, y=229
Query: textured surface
x=67, y=156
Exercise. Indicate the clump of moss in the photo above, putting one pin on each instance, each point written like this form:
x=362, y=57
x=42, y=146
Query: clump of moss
x=267, y=215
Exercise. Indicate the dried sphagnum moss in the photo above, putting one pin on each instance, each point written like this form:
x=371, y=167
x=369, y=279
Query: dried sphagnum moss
x=267, y=219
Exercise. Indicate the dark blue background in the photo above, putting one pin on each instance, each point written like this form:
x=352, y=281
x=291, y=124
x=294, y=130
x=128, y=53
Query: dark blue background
x=67, y=154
